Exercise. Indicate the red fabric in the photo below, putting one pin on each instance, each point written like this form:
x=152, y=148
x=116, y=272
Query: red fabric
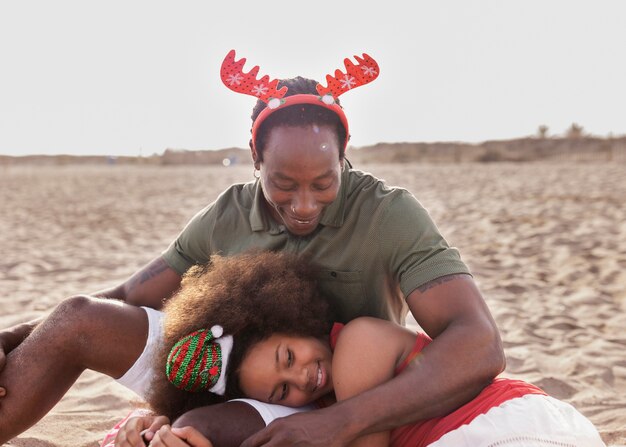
x=425, y=432
x=421, y=342
x=428, y=431
x=334, y=334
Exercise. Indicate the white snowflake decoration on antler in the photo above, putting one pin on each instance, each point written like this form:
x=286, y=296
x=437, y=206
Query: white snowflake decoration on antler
x=347, y=82
x=369, y=71
x=235, y=79
x=259, y=90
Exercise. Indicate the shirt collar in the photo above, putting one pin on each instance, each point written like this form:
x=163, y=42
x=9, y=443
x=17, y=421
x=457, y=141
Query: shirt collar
x=259, y=219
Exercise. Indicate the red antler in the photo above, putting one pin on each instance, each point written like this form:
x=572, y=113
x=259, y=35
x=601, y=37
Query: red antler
x=356, y=75
x=235, y=79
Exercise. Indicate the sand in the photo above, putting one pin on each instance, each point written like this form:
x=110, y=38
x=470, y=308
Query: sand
x=546, y=244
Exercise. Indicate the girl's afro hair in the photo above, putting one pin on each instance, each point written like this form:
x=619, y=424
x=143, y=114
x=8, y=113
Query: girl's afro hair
x=252, y=296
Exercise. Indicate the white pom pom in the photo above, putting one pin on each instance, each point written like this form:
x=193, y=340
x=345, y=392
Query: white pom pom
x=274, y=103
x=217, y=331
x=328, y=99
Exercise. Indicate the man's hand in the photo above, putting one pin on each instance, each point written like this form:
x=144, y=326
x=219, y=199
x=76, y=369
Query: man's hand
x=139, y=429
x=179, y=437
x=312, y=428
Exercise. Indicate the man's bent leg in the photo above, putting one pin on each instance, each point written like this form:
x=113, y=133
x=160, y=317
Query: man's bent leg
x=81, y=333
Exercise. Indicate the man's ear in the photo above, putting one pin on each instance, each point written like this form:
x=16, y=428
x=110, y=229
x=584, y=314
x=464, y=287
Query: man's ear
x=255, y=157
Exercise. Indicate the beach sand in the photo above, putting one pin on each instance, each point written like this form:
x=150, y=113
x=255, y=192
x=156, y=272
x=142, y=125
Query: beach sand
x=546, y=244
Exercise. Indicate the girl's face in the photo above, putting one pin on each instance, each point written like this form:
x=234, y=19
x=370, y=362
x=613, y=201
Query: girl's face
x=300, y=175
x=286, y=370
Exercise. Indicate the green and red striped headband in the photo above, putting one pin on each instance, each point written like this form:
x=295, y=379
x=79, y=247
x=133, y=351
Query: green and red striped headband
x=234, y=78
x=198, y=361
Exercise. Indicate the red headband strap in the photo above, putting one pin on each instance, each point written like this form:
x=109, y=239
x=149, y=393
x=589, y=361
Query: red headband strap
x=301, y=99
x=236, y=79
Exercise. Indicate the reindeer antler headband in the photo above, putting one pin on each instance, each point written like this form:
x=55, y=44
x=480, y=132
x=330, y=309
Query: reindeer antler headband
x=235, y=79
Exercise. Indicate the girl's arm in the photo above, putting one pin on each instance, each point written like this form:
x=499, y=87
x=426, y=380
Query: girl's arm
x=367, y=353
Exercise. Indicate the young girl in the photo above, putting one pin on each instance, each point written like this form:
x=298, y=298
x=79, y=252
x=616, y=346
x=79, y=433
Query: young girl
x=275, y=345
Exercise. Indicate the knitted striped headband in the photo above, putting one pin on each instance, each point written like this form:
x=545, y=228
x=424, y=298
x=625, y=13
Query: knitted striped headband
x=267, y=91
x=198, y=361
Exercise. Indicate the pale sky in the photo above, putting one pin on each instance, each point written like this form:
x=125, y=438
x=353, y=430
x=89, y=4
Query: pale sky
x=128, y=77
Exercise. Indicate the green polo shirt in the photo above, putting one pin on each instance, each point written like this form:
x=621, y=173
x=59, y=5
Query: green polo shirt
x=375, y=244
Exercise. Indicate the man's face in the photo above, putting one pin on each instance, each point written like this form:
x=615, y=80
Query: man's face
x=300, y=175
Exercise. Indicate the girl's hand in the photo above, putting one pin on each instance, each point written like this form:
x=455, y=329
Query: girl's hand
x=139, y=431
x=179, y=437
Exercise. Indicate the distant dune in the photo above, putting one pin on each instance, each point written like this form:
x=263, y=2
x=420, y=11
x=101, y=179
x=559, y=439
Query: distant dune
x=576, y=149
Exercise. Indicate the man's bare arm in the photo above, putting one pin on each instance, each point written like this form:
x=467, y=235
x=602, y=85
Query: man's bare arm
x=465, y=355
x=150, y=286
x=226, y=425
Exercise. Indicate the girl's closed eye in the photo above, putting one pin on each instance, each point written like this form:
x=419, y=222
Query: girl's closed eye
x=284, y=392
x=290, y=358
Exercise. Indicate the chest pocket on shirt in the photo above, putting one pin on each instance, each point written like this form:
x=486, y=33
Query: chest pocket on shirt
x=346, y=292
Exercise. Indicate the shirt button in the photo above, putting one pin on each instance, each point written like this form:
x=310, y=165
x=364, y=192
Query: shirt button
x=333, y=274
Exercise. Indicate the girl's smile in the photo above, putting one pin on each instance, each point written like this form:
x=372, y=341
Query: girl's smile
x=290, y=371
